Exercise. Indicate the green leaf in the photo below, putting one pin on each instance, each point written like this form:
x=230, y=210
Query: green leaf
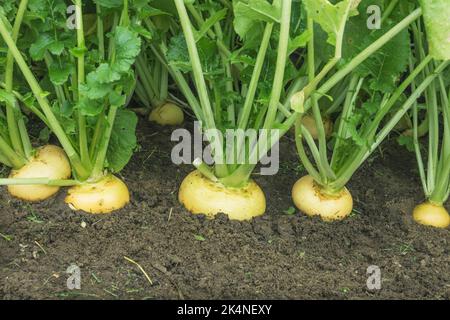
x=59, y=73
x=210, y=22
x=331, y=16
x=110, y=3
x=255, y=11
x=199, y=237
x=128, y=46
x=383, y=68
x=406, y=141
x=38, y=49
x=78, y=52
x=90, y=107
x=437, y=22
x=290, y=211
x=123, y=140
x=7, y=97
x=56, y=48
x=94, y=87
x=299, y=42
x=177, y=54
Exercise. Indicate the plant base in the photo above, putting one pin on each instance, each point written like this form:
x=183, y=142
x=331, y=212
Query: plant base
x=200, y=195
x=308, y=198
x=168, y=114
x=49, y=162
x=431, y=215
x=104, y=196
x=310, y=124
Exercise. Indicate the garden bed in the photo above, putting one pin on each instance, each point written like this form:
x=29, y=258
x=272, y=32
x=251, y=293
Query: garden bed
x=280, y=255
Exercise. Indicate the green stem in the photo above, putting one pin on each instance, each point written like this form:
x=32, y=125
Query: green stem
x=27, y=147
x=200, y=82
x=32, y=108
x=282, y=52
x=4, y=160
x=40, y=97
x=309, y=167
x=82, y=130
x=205, y=170
x=100, y=33
x=360, y=58
x=220, y=44
x=394, y=97
x=11, y=110
x=365, y=151
x=142, y=95
x=253, y=86
x=164, y=80
x=433, y=136
x=355, y=85
x=97, y=135
x=417, y=150
x=322, y=160
x=99, y=164
x=16, y=160
x=387, y=12
x=181, y=82
x=39, y=181
x=146, y=80
x=440, y=192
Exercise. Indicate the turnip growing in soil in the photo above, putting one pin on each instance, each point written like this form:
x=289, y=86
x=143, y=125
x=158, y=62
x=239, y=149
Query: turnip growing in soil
x=239, y=58
x=435, y=173
x=374, y=94
x=152, y=89
x=16, y=150
x=85, y=112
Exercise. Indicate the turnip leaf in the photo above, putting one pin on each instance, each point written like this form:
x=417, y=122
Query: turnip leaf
x=123, y=140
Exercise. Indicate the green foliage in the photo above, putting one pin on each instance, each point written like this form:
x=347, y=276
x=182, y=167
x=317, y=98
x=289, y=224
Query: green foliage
x=386, y=65
x=331, y=17
x=250, y=14
x=436, y=15
x=123, y=140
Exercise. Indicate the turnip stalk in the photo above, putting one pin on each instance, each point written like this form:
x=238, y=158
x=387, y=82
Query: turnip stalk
x=102, y=92
x=82, y=133
x=436, y=179
x=329, y=179
x=43, y=102
x=13, y=126
x=231, y=176
x=154, y=92
x=27, y=163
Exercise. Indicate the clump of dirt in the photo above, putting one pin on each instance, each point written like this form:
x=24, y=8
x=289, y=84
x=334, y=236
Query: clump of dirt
x=282, y=255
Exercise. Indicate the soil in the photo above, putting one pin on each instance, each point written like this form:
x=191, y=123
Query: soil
x=282, y=255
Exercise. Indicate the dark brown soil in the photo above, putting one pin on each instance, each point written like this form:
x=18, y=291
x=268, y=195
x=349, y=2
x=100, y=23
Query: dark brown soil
x=279, y=255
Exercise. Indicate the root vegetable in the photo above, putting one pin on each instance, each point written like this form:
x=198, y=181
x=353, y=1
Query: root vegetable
x=104, y=196
x=310, y=124
x=49, y=162
x=168, y=114
x=431, y=215
x=311, y=199
x=202, y=196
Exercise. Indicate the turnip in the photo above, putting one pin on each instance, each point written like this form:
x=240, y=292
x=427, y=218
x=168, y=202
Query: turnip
x=104, y=139
x=369, y=100
x=16, y=150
